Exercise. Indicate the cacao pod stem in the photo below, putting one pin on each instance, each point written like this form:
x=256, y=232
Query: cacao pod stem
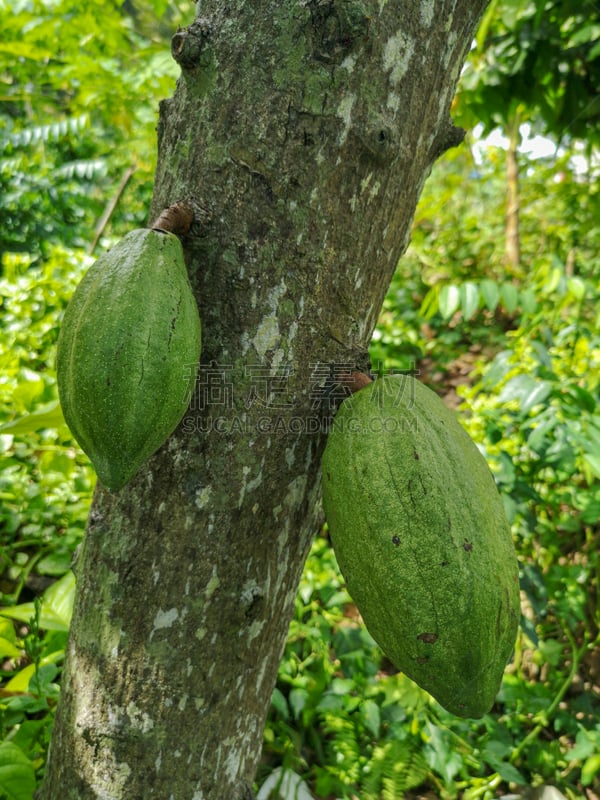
x=354, y=381
x=175, y=219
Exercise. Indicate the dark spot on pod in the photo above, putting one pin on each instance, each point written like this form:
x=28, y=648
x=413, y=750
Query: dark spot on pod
x=423, y=660
x=444, y=563
x=328, y=476
x=415, y=455
x=396, y=540
x=467, y=546
x=428, y=638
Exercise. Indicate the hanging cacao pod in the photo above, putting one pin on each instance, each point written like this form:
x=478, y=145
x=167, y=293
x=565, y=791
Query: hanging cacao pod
x=127, y=353
x=419, y=531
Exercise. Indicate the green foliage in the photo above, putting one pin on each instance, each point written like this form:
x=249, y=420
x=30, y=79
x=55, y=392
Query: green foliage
x=46, y=487
x=17, y=777
x=539, y=60
x=520, y=351
x=45, y=482
x=31, y=667
x=72, y=126
x=452, y=282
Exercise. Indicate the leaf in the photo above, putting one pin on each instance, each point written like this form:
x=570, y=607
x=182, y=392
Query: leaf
x=8, y=649
x=342, y=686
x=56, y=608
x=30, y=733
x=554, y=279
x=543, y=354
x=510, y=774
x=338, y=598
x=372, y=716
x=431, y=302
x=331, y=702
x=586, y=744
x=20, y=681
x=449, y=300
x=510, y=297
x=594, y=52
x=284, y=784
x=55, y=564
x=484, y=26
x=591, y=513
x=593, y=462
x=279, y=702
x=25, y=679
x=528, y=628
x=529, y=301
x=7, y=631
x=490, y=293
x=83, y=168
x=43, y=680
x=590, y=769
x=583, y=399
x=26, y=50
x=469, y=299
x=442, y=757
x=506, y=472
x=536, y=396
x=49, y=416
x=159, y=7
x=52, y=131
x=576, y=287
x=498, y=369
x=17, y=775
x=495, y=754
x=517, y=388
x=29, y=389
x=537, y=437
x=297, y=700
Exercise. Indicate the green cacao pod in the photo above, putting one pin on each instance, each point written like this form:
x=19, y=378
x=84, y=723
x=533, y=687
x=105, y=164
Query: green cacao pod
x=419, y=531
x=127, y=353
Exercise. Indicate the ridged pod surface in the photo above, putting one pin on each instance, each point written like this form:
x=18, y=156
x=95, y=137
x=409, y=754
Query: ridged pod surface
x=127, y=353
x=421, y=538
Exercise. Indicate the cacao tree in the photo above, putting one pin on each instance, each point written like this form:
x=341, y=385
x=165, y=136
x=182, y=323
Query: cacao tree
x=301, y=133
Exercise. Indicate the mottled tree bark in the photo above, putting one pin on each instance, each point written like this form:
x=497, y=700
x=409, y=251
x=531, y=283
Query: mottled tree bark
x=302, y=132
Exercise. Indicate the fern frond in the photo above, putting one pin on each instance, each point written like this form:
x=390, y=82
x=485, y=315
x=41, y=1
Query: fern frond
x=51, y=132
x=10, y=166
x=85, y=169
x=394, y=768
x=343, y=746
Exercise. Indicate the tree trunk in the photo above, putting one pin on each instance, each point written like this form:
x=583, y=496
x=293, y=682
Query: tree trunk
x=513, y=198
x=302, y=133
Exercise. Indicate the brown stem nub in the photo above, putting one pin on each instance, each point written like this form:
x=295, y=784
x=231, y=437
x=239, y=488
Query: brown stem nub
x=175, y=219
x=354, y=381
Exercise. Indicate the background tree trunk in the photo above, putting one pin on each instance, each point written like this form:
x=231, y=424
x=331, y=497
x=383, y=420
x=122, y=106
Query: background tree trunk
x=302, y=132
x=513, y=199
